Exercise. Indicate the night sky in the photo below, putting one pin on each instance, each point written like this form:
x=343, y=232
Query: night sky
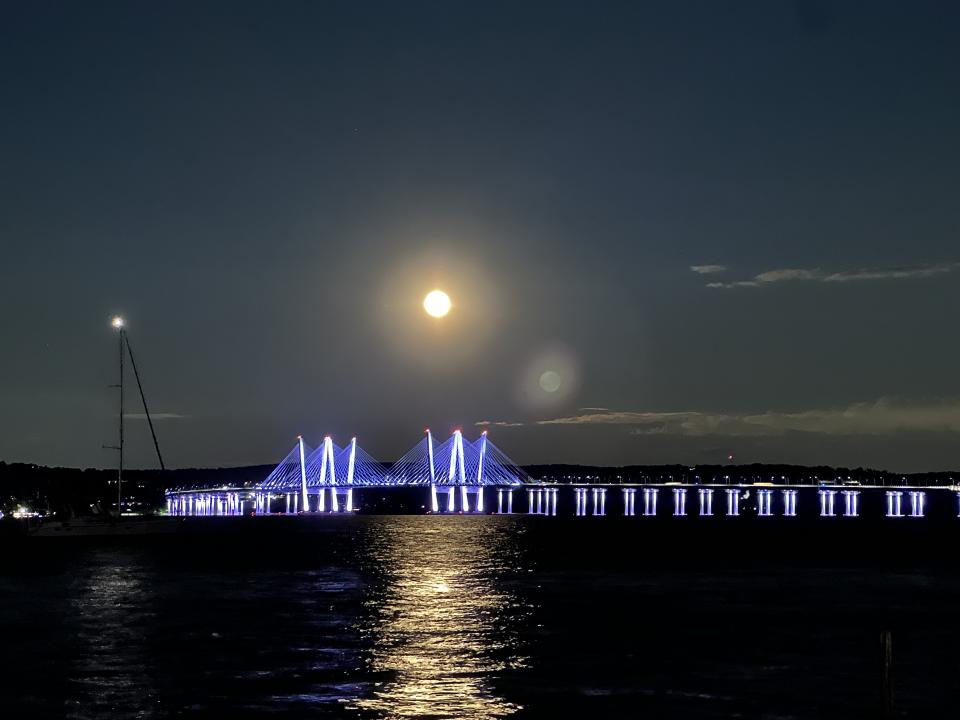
x=718, y=228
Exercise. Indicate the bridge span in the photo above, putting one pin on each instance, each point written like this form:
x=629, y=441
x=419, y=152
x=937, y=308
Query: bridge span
x=460, y=476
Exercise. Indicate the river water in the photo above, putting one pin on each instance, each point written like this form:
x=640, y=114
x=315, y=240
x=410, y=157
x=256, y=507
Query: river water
x=460, y=617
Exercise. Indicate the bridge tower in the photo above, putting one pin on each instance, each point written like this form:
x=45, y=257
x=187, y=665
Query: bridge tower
x=328, y=477
x=458, y=472
x=351, y=465
x=303, y=476
x=434, y=505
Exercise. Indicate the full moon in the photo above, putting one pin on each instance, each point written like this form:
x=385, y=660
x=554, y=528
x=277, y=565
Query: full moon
x=436, y=303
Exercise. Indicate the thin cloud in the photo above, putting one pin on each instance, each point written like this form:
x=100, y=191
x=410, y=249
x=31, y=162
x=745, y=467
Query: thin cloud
x=885, y=416
x=769, y=277
x=497, y=423
x=708, y=269
x=913, y=273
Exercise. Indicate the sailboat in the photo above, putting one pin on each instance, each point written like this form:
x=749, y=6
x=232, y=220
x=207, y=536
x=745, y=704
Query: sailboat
x=116, y=522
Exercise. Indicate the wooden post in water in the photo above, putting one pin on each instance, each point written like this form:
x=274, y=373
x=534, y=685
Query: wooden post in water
x=886, y=684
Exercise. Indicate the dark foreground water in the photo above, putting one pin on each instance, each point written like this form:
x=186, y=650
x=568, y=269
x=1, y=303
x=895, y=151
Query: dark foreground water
x=464, y=617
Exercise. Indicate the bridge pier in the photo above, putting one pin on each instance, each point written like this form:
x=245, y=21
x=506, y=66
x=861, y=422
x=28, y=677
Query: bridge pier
x=599, y=501
x=733, y=502
x=500, y=496
x=764, y=504
x=826, y=503
x=918, y=503
x=540, y=501
x=790, y=503
x=464, y=492
x=679, y=502
x=321, y=505
x=894, y=503
x=650, y=501
x=851, y=503
x=706, y=502
x=341, y=499
x=629, y=502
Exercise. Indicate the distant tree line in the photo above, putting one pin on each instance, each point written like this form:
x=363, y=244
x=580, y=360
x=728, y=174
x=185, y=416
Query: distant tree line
x=736, y=474
x=73, y=491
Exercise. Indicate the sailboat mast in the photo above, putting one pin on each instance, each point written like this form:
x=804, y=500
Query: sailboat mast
x=118, y=324
x=124, y=347
x=120, y=464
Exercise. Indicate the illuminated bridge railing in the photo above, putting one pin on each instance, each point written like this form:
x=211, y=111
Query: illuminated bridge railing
x=663, y=502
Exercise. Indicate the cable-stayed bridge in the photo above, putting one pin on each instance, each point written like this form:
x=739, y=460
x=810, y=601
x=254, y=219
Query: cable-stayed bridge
x=323, y=479
x=463, y=476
